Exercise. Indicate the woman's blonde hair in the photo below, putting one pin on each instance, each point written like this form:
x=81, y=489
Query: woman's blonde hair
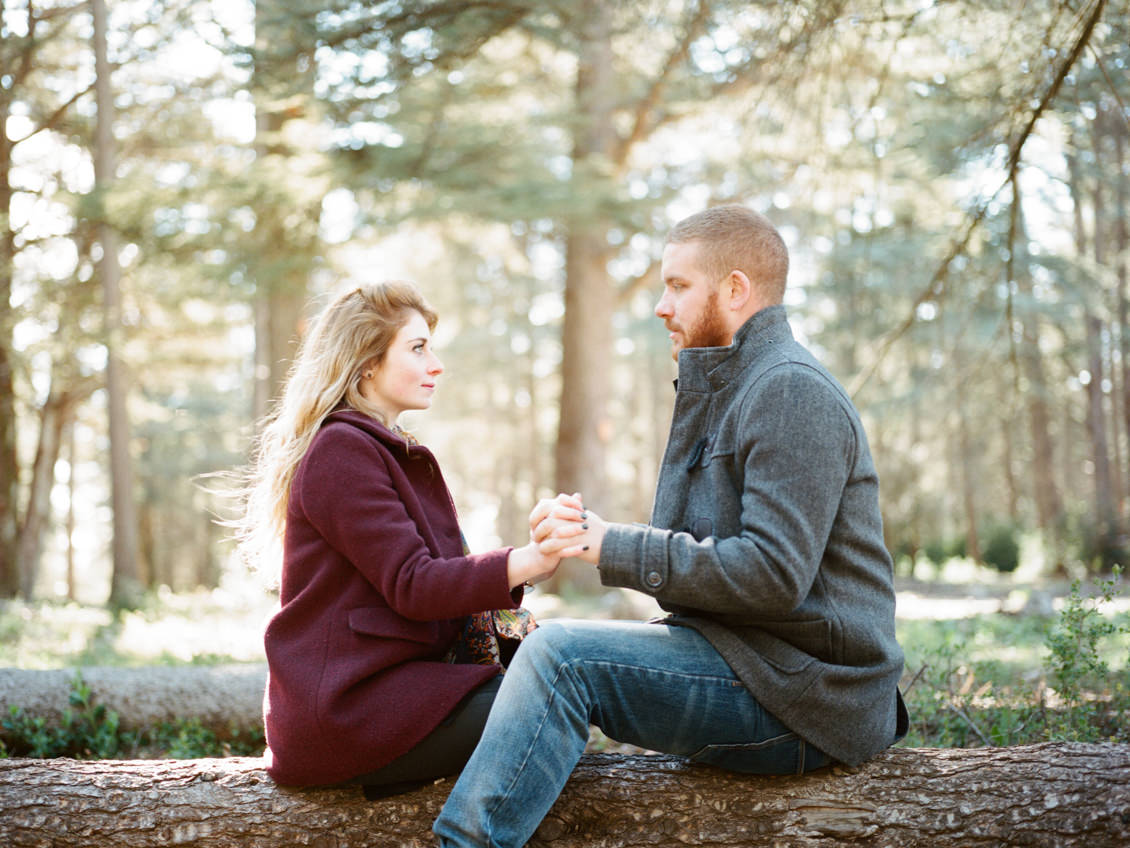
x=351, y=335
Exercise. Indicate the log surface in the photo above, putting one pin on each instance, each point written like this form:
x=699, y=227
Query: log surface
x=1052, y=794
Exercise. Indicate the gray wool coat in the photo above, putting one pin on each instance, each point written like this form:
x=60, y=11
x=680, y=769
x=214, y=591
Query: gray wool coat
x=766, y=537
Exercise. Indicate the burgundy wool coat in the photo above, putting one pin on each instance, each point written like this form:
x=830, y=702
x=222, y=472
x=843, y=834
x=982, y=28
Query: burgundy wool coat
x=375, y=588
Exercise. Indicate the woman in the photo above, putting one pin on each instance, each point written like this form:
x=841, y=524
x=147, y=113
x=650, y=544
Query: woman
x=376, y=587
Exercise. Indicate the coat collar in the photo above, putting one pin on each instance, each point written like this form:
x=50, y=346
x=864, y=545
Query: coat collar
x=707, y=369
x=392, y=438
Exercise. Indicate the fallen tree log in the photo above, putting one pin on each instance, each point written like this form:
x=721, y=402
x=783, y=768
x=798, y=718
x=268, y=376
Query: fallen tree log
x=1051, y=794
x=222, y=697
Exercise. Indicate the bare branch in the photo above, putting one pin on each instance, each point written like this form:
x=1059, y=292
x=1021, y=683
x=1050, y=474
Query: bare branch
x=56, y=116
x=644, y=121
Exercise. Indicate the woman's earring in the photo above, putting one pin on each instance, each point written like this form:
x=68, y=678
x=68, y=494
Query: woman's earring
x=368, y=375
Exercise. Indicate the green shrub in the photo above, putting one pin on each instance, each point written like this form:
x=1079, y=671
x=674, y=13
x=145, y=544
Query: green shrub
x=936, y=551
x=986, y=680
x=1075, y=662
x=1002, y=549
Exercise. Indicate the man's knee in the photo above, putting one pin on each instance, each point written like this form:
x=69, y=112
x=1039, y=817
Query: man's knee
x=542, y=644
x=552, y=648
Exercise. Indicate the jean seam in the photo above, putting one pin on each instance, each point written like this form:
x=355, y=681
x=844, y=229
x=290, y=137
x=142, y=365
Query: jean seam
x=753, y=746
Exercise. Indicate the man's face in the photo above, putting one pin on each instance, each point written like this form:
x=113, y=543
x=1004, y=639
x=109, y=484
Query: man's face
x=690, y=306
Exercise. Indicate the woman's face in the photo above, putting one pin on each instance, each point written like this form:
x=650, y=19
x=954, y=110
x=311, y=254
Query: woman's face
x=406, y=378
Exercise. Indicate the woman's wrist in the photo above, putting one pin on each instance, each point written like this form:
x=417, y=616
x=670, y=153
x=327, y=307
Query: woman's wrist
x=518, y=564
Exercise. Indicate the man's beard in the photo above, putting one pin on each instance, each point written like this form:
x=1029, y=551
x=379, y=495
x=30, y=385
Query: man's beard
x=708, y=330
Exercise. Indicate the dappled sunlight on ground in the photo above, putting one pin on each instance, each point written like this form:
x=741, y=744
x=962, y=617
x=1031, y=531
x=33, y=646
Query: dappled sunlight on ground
x=47, y=635
x=226, y=625
x=948, y=601
x=200, y=627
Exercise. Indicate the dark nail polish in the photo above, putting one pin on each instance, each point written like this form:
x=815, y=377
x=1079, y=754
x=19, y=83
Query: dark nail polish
x=584, y=527
x=585, y=548
x=584, y=515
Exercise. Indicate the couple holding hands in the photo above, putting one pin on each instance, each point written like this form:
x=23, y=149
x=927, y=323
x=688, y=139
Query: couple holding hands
x=765, y=547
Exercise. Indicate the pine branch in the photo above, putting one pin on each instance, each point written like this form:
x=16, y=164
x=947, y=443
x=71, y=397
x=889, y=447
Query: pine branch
x=936, y=287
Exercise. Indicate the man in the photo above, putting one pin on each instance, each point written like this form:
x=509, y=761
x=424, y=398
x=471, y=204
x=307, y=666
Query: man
x=765, y=546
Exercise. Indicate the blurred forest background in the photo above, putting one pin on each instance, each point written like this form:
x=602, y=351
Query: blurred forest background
x=182, y=181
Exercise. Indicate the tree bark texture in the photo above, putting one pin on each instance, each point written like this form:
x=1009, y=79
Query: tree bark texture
x=221, y=697
x=1052, y=794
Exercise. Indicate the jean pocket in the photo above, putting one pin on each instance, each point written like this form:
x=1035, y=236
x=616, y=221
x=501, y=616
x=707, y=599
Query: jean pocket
x=784, y=754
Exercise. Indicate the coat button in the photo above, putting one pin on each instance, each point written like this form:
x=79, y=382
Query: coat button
x=653, y=579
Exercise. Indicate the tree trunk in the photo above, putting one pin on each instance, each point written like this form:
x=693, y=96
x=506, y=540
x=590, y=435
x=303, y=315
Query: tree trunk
x=970, y=478
x=72, y=489
x=54, y=417
x=1049, y=504
x=1096, y=423
x=278, y=309
x=1122, y=249
x=584, y=428
x=1106, y=489
x=125, y=584
x=285, y=236
x=9, y=458
x=1007, y=461
x=1054, y=794
x=1104, y=514
x=224, y=698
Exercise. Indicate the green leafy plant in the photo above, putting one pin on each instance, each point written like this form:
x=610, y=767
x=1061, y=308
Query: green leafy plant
x=87, y=730
x=90, y=731
x=1075, y=660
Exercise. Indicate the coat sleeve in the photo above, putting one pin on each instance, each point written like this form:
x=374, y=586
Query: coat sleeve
x=796, y=446
x=345, y=491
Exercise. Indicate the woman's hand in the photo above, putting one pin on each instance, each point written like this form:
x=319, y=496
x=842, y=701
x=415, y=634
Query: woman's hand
x=528, y=564
x=571, y=536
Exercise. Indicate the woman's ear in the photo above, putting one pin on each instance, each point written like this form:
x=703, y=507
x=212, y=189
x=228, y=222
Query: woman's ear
x=369, y=368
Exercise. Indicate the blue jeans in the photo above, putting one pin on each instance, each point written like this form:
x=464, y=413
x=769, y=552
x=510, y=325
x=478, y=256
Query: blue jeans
x=660, y=687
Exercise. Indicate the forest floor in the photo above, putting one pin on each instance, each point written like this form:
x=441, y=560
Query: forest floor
x=226, y=625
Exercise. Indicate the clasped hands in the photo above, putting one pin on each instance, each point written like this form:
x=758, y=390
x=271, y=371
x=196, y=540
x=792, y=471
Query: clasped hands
x=560, y=527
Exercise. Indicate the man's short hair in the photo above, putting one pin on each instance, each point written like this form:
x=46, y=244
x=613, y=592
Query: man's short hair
x=734, y=237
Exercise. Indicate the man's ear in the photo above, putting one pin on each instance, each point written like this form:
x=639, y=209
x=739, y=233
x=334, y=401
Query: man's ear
x=739, y=290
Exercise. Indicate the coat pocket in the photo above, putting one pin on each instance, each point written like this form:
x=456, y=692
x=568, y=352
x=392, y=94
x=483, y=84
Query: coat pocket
x=383, y=622
x=792, y=645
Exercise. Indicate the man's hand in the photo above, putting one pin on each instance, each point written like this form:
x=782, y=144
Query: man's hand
x=563, y=506
x=571, y=535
